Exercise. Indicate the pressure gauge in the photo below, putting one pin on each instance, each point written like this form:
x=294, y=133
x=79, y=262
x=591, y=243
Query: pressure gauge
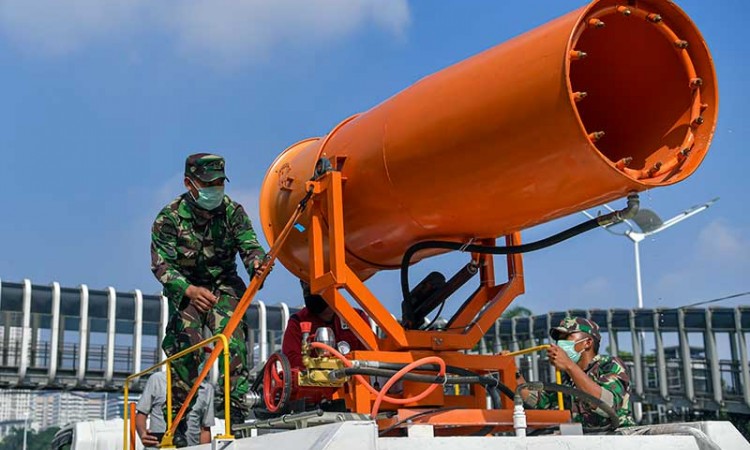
x=344, y=347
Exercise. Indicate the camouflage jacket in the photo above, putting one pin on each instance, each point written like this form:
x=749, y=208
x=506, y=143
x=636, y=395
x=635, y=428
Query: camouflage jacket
x=610, y=373
x=191, y=246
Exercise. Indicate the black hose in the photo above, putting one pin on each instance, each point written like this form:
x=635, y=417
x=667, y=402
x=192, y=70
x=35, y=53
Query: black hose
x=491, y=384
x=372, y=372
x=605, y=220
x=485, y=380
x=614, y=421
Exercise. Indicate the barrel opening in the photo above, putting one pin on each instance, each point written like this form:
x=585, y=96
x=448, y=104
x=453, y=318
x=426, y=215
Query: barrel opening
x=637, y=92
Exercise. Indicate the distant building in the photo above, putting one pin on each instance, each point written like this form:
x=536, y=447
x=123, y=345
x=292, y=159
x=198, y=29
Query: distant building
x=14, y=404
x=50, y=409
x=673, y=359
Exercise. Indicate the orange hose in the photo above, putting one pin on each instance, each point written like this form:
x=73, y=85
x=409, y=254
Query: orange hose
x=381, y=395
x=391, y=381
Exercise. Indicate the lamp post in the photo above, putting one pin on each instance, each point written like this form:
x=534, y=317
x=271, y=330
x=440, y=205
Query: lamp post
x=25, y=428
x=649, y=223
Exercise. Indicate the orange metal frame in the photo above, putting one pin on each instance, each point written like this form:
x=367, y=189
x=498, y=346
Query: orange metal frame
x=330, y=273
x=462, y=421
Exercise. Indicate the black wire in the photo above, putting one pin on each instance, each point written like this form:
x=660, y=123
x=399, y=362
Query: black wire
x=706, y=302
x=489, y=249
x=437, y=315
x=416, y=416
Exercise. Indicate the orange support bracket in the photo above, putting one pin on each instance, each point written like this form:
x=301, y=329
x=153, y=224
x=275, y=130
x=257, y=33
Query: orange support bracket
x=330, y=273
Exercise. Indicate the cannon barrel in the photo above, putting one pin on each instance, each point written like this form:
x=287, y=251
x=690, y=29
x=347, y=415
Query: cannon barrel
x=612, y=98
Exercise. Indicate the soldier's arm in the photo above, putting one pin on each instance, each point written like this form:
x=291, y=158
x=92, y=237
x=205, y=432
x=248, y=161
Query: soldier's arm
x=614, y=382
x=247, y=242
x=582, y=381
x=164, y=256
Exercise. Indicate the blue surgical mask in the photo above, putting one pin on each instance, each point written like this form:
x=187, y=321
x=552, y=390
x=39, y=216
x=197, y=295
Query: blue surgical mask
x=569, y=348
x=209, y=197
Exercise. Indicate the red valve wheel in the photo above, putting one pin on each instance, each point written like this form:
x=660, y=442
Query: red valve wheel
x=277, y=382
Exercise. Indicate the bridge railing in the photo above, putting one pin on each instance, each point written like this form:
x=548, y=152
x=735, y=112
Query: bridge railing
x=80, y=338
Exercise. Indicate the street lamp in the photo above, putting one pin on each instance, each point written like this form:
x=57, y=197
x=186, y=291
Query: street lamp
x=649, y=223
x=25, y=428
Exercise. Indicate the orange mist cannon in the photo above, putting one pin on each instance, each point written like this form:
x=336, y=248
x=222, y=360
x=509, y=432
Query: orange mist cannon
x=614, y=98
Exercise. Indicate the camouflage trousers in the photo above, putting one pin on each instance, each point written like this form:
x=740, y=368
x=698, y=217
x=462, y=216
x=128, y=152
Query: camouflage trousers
x=185, y=329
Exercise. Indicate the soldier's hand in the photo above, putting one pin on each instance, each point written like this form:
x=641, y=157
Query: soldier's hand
x=149, y=440
x=201, y=297
x=258, y=263
x=558, y=358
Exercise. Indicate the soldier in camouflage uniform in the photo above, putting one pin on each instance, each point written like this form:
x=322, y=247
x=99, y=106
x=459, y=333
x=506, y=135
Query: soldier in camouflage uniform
x=194, y=243
x=576, y=355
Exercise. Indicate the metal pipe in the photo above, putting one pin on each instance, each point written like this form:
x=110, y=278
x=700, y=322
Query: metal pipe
x=23, y=364
x=613, y=347
x=163, y=320
x=687, y=358
x=638, y=284
x=111, y=323
x=284, y=316
x=660, y=358
x=262, y=331
x=83, y=329
x=54, y=334
x=742, y=343
x=713, y=359
x=287, y=419
x=637, y=361
x=138, y=330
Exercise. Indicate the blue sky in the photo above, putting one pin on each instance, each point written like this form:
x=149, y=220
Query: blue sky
x=102, y=101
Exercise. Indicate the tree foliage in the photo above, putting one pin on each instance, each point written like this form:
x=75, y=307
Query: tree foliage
x=516, y=311
x=40, y=440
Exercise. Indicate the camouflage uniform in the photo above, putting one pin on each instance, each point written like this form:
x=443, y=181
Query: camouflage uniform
x=609, y=372
x=192, y=246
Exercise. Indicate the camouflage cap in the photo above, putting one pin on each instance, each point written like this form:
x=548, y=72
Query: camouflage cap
x=573, y=325
x=205, y=167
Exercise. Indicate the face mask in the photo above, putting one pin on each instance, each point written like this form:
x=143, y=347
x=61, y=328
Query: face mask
x=569, y=348
x=209, y=197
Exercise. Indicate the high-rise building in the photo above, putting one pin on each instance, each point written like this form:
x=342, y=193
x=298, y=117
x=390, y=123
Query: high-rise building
x=14, y=404
x=52, y=409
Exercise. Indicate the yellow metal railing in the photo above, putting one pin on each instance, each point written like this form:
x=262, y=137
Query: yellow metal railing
x=166, y=441
x=558, y=375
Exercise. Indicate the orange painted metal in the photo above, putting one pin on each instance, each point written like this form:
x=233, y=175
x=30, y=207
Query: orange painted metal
x=466, y=420
x=332, y=274
x=601, y=102
x=132, y=425
x=564, y=117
